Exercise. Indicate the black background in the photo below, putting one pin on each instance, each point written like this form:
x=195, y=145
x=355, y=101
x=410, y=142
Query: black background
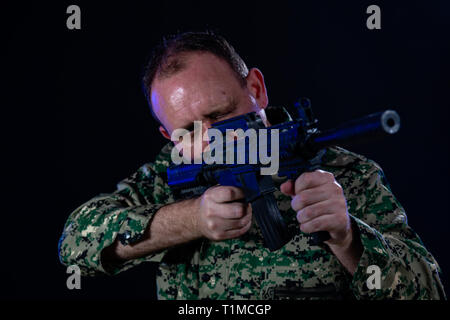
x=76, y=121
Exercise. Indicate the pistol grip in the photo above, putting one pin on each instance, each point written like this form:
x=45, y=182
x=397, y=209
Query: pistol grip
x=259, y=192
x=270, y=221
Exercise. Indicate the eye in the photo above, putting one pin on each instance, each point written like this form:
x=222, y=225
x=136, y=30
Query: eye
x=217, y=117
x=190, y=127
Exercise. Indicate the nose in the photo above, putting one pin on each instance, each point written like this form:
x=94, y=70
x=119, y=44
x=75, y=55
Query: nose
x=206, y=124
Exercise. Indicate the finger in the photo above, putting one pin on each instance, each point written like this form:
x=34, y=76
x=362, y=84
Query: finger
x=316, y=210
x=309, y=180
x=232, y=210
x=321, y=223
x=238, y=232
x=288, y=188
x=218, y=227
x=236, y=224
x=221, y=194
x=232, y=224
x=310, y=196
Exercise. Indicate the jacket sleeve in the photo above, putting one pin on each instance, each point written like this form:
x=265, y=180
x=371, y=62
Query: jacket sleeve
x=123, y=214
x=408, y=270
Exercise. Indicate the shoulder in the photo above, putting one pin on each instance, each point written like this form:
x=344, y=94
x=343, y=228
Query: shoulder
x=340, y=160
x=353, y=170
x=163, y=158
x=150, y=171
x=149, y=183
x=161, y=162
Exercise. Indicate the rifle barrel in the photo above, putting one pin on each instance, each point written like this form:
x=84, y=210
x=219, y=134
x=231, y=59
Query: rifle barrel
x=372, y=126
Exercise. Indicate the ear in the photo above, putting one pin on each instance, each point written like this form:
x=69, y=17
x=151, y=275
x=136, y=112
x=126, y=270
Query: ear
x=257, y=87
x=164, y=132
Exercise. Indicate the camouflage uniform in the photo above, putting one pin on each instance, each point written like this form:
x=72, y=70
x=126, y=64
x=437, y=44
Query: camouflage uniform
x=243, y=268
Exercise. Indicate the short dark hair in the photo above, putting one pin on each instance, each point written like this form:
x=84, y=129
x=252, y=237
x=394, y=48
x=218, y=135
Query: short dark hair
x=166, y=58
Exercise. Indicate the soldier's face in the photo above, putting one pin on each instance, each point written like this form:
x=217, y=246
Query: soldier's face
x=207, y=90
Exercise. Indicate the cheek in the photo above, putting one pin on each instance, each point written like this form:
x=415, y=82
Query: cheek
x=246, y=105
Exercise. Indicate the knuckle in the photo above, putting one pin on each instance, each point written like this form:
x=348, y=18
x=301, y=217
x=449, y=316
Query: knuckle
x=211, y=225
x=337, y=192
x=209, y=213
x=307, y=177
x=328, y=175
x=318, y=174
x=323, y=173
x=305, y=197
x=300, y=180
x=207, y=195
x=337, y=187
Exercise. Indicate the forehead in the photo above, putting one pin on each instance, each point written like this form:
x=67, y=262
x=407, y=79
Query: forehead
x=204, y=80
x=194, y=69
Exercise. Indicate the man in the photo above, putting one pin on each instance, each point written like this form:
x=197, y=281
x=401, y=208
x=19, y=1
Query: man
x=210, y=247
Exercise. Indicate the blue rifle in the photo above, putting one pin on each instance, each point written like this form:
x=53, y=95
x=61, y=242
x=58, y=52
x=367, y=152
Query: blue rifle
x=301, y=147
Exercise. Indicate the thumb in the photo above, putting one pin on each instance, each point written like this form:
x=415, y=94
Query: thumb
x=288, y=188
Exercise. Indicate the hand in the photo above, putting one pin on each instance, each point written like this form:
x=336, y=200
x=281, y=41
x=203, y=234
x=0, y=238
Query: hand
x=222, y=214
x=321, y=206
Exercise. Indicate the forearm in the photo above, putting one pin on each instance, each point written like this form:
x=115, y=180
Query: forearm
x=406, y=269
x=172, y=225
x=349, y=253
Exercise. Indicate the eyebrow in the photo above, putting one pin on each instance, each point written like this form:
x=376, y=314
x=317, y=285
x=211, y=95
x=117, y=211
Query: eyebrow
x=230, y=107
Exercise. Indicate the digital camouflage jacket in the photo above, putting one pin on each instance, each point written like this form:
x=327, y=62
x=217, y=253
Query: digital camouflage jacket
x=243, y=268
